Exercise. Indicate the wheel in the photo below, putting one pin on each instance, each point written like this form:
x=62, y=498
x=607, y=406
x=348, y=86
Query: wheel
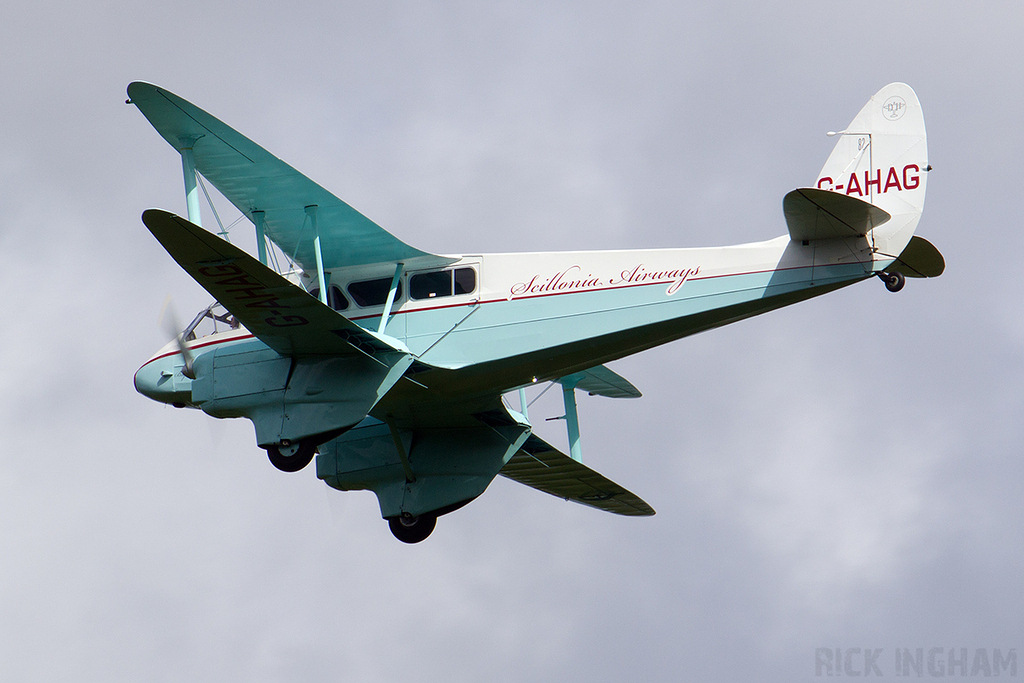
x=894, y=281
x=291, y=457
x=409, y=529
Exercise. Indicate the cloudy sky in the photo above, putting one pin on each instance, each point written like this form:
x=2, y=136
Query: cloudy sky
x=845, y=473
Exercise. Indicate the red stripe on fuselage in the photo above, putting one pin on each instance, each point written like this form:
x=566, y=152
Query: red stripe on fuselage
x=494, y=301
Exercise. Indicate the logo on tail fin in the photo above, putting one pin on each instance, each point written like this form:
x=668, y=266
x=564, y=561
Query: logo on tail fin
x=894, y=108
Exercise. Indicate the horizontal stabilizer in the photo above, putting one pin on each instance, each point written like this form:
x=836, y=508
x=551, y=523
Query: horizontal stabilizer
x=919, y=259
x=283, y=316
x=813, y=214
x=543, y=467
x=602, y=381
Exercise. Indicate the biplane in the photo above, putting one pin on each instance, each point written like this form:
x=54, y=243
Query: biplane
x=394, y=366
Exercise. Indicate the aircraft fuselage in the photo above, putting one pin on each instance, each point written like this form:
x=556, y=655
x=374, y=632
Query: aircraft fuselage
x=545, y=315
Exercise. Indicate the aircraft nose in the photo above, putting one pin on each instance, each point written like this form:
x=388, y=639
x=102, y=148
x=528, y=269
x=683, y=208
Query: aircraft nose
x=161, y=380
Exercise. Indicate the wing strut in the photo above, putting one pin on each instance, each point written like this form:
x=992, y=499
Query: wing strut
x=320, y=277
x=598, y=380
x=188, y=169
x=572, y=418
x=524, y=407
x=391, y=298
x=261, y=239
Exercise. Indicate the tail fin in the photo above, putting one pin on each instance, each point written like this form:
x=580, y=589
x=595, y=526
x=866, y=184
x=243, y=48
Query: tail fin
x=882, y=158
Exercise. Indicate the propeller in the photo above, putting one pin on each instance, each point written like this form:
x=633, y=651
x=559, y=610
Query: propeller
x=169, y=321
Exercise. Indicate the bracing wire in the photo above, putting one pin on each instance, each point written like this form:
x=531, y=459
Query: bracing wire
x=537, y=397
x=223, y=232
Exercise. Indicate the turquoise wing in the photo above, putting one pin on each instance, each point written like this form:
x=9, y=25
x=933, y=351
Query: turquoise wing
x=280, y=314
x=253, y=179
x=540, y=465
x=601, y=380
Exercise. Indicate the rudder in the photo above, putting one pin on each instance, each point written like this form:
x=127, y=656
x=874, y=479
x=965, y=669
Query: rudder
x=882, y=158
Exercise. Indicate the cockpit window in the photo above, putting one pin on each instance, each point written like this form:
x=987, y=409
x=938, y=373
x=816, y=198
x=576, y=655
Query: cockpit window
x=335, y=298
x=212, y=319
x=373, y=292
x=442, y=283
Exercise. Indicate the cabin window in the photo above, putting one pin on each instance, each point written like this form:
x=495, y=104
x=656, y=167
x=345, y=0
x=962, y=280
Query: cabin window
x=373, y=292
x=335, y=298
x=442, y=283
x=429, y=285
x=465, y=280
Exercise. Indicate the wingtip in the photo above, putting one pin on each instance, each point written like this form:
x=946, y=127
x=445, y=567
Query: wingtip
x=139, y=91
x=159, y=222
x=155, y=215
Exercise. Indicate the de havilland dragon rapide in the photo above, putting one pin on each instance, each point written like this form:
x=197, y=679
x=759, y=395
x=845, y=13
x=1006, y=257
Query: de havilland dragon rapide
x=392, y=365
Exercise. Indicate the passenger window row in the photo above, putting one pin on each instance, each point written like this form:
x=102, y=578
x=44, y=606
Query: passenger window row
x=442, y=283
x=368, y=293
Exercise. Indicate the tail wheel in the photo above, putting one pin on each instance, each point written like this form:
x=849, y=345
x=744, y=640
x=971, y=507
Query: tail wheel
x=409, y=529
x=893, y=281
x=291, y=457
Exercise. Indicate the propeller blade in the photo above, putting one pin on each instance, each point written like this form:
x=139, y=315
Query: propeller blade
x=169, y=321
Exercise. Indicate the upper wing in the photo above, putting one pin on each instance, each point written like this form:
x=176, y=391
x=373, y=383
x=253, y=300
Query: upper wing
x=601, y=380
x=253, y=179
x=543, y=467
x=281, y=315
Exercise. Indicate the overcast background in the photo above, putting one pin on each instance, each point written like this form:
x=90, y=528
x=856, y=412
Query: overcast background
x=842, y=473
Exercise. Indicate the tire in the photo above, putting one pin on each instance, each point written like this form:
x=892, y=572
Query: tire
x=412, y=529
x=894, y=281
x=293, y=457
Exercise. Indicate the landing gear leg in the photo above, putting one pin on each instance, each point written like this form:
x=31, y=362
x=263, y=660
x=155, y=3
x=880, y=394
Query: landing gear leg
x=291, y=457
x=409, y=529
x=893, y=281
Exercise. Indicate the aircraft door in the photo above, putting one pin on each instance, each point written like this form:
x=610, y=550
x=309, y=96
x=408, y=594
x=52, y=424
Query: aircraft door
x=440, y=300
